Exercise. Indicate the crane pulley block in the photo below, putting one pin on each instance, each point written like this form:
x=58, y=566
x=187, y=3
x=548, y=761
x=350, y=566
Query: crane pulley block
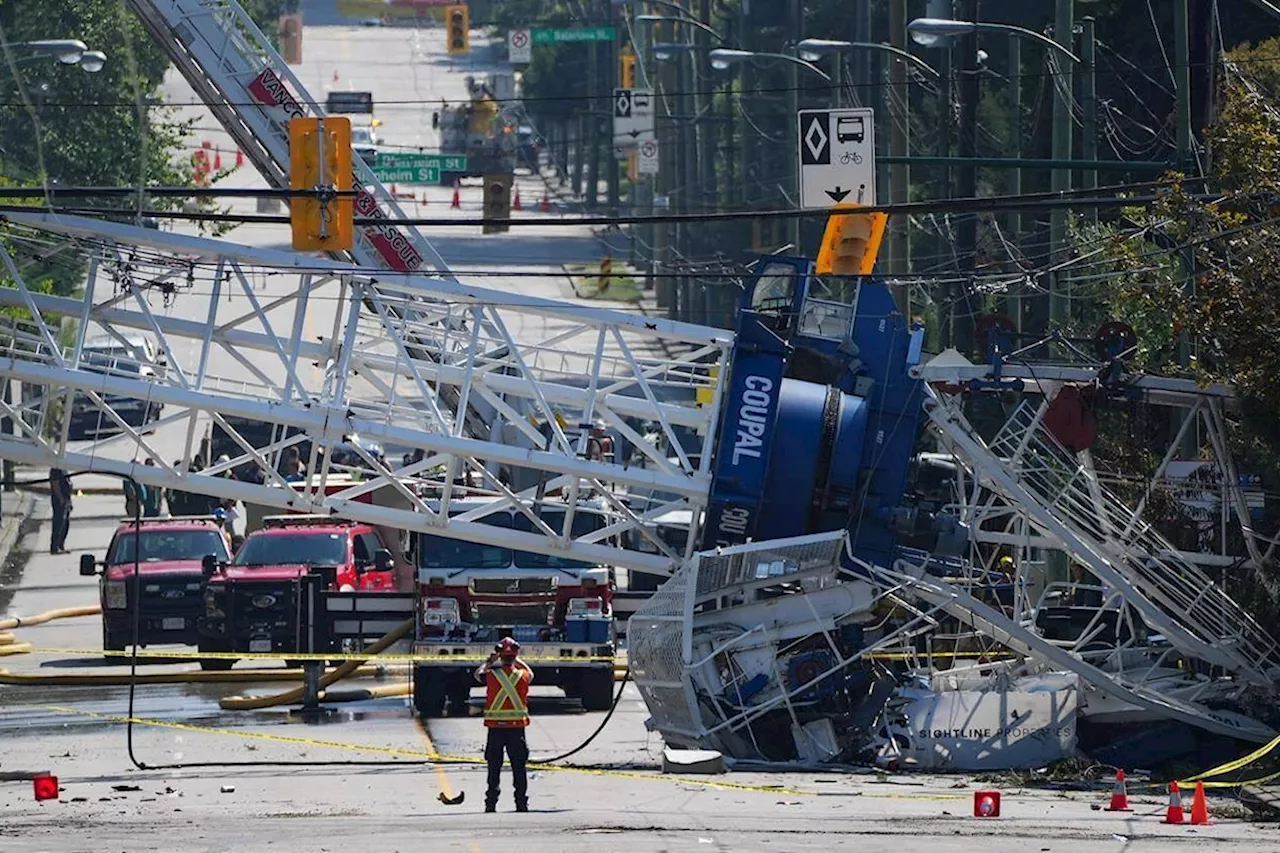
x=320, y=160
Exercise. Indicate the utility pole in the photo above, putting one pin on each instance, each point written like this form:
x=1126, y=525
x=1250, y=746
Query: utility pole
x=793, y=108
x=1089, y=97
x=593, y=122
x=1014, y=304
x=899, y=144
x=612, y=58
x=1182, y=79
x=1060, y=180
x=964, y=306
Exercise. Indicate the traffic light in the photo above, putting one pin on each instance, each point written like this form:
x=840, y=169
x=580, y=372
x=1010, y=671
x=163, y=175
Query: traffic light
x=497, y=202
x=320, y=158
x=458, y=18
x=851, y=243
x=627, y=68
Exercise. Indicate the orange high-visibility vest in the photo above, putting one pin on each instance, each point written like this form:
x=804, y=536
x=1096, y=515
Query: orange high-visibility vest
x=506, y=703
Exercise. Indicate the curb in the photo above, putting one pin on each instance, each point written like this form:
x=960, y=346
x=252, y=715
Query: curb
x=12, y=522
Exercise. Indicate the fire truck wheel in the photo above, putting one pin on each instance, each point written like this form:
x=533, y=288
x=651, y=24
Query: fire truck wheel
x=428, y=693
x=459, y=696
x=215, y=664
x=597, y=690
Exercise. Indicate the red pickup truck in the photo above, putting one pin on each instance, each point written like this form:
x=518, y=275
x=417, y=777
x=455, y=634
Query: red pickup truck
x=168, y=553
x=251, y=605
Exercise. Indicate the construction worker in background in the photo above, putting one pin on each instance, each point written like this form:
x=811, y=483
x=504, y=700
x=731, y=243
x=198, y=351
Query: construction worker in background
x=506, y=715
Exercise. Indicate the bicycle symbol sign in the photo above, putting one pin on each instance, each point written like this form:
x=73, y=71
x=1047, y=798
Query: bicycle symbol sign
x=837, y=154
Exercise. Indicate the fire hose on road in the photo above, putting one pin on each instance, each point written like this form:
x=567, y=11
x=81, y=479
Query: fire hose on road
x=9, y=644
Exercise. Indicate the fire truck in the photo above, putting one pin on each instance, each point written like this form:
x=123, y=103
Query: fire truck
x=471, y=595
x=482, y=130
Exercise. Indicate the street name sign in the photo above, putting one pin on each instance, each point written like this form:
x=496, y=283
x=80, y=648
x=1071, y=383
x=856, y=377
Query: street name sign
x=574, y=34
x=837, y=157
x=416, y=167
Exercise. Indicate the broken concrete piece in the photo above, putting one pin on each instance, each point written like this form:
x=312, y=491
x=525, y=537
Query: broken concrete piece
x=701, y=761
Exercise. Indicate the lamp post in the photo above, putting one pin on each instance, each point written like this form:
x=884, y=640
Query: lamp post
x=722, y=58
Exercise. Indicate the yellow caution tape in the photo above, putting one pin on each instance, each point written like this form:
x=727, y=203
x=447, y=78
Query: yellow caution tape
x=304, y=656
x=421, y=755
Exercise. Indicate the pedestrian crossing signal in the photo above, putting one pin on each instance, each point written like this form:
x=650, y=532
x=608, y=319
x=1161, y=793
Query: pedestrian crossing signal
x=851, y=243
x=320, y=159
x=497, y=203
x=459, y=29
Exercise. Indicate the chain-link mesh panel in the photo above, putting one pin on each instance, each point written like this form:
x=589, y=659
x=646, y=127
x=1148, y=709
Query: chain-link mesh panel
x=750, y=563
x=656, y=655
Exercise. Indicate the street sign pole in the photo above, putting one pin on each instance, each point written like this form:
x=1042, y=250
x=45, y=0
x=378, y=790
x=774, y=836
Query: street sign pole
x=837, y=157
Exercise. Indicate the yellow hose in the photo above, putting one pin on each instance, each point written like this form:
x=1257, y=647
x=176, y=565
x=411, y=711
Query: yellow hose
x=192, y=677
x=254, y=703
x=9, y=644
x=48, y=616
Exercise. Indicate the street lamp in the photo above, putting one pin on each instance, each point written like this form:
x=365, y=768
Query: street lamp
x=814, y=49
x=722, y=57
x=66, y=51
x=940, y=32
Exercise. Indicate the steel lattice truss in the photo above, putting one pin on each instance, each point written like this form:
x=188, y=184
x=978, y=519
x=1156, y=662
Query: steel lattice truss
x=338, y=356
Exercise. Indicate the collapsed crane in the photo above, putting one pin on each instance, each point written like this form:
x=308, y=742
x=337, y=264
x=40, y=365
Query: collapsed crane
x=788, y=443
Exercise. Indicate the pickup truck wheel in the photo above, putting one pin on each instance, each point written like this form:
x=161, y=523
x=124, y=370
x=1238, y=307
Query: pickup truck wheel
x=428, y=693
x=215, y=664
x=596, y=689
x=111, y=641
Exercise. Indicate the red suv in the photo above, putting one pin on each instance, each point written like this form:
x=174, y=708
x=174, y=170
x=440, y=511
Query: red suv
x=169, y=553
x=251, y=605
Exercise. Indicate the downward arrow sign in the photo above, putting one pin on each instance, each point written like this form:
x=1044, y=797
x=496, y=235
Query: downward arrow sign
x=837, y=194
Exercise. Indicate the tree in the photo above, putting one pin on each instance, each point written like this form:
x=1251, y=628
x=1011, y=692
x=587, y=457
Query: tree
x=62, y=125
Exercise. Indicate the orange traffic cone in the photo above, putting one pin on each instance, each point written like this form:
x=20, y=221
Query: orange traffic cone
x=217, y=160
x=1119, y=795
x=1200, y=808
x=424, y=197
x=1174, y=815
x=545, y=204
x=239, y=158
x=515, y=204
x=393, y=191
x=457, y=196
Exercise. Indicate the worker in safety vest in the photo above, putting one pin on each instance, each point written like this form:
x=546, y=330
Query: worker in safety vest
x=506, y=715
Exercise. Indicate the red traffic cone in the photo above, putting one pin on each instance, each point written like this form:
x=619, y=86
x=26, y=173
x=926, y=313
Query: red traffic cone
x=1174, y=815
x=457, y=196
x=239, y=158
x=217, y=160
x=515, y=203
x=1200, y=808
x=393, y=191
x=1119, y=795
x=45, y=786
x=424, y=197
x=545, y=204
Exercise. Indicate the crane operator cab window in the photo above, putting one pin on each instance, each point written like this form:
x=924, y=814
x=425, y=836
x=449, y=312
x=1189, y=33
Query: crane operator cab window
x=774, y=293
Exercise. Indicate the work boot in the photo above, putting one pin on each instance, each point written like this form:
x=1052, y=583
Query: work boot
x=490, y=807
x=522, y=807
